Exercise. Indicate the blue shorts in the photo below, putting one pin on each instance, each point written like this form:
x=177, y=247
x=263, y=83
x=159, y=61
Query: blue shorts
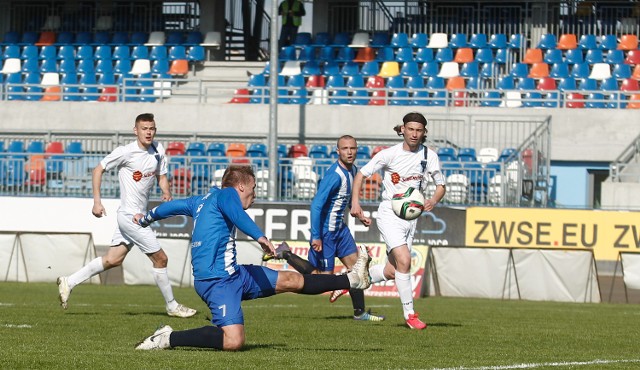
x=224, y=296
x=337, y=243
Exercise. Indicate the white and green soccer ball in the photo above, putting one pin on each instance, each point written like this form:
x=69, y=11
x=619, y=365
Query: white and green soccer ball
x=408, y=205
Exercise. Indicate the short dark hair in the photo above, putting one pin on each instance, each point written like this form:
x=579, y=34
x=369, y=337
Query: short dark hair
x=145, y=117
x=237, y=174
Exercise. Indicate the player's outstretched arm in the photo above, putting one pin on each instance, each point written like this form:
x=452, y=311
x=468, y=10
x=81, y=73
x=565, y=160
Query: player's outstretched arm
x=165, y=210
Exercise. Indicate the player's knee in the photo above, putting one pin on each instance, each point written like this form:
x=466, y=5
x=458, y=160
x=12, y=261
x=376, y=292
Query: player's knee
x=111, y=262
x=233, y=343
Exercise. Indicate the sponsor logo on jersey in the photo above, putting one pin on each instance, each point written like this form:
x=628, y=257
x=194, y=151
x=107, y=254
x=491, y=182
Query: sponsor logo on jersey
x=395, y=178
x=137, y=176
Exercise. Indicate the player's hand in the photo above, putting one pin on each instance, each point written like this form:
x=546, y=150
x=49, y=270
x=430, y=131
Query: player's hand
x=267, y=246
x=137, y=217
x=98, y=210
x=316, y=244
x=428, y=205
x=357, y=212
x=166, y=197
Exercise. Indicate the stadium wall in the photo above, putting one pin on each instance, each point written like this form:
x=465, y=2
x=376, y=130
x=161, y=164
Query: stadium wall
x=577, y=134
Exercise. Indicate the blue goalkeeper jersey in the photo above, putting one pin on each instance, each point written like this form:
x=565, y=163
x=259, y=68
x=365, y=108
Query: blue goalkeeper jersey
x=331, y=200
x=213, y=241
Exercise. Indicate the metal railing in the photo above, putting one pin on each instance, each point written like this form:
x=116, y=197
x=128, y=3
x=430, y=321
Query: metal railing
x=626, y=167
x=69, y=175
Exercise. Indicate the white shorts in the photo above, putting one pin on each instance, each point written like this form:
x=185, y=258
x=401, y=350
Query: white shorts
x=129, y=233
x=394, y=231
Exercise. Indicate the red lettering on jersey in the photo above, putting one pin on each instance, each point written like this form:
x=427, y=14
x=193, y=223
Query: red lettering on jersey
x=137, y=176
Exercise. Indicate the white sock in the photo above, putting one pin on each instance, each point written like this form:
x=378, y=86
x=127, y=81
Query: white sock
x=403, y=284
x=377, y=273
x=87, y=271
x=162, y=281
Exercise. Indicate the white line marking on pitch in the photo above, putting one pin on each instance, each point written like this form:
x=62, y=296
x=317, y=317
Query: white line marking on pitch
x=21, y=326
x=546, y=364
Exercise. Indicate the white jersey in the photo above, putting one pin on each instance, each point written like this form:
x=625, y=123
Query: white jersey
x=404, y=169
x=137, y=171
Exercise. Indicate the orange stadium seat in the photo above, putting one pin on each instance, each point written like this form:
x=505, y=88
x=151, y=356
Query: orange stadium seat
x=568, y=41
x=236, y=150
x=532, y=56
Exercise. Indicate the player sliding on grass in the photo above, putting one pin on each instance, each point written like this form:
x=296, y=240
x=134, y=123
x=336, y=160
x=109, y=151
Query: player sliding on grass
x=330, y=236
x=219, y=280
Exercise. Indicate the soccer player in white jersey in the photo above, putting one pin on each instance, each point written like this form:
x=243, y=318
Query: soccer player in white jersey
x=405, y=165
x=139, y=164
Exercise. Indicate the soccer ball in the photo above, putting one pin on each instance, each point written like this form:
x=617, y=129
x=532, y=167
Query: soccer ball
x=408, y=205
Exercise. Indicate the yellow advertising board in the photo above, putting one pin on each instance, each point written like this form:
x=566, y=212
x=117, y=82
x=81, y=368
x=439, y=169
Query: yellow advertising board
x=604, y=232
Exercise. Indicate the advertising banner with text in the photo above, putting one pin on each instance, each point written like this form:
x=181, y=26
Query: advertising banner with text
x=378, y=254
x=281, y=221
x=604, y=232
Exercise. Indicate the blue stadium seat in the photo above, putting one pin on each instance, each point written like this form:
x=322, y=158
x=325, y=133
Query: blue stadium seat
x=307, y=53
x=101, y=38
x=195, y=148
x=67, y=66
x=302, y=39
x=11, y=51
x=621, y=71
x=319, y=151
x=526, y=83
x=119, y=38
x=321, y=39
x=196, y=53
x=359, y=96
x=596, y=100
x=33, y=91
x=122, y=66
x=177, y=52
x=574, y=56
x=488, y=70
x=30, y=65
x=444, y=55
x=287, y=53
x=498, y=41
x=327, y=54
x=608, y=42
x=532, y=99
x=419, y=40
x=216, y=149
x=84, y=52
x=588, y=42
x=49, y=65
x=399, y=40
x=158, y=52
x=409, y=69
x=336, y=90
x=397, y=93
x=484, y=55
x=66, y=52
x=340, y=39
x=506, y=83
x=371, y=68
x=447, y=154
x=502, y=56
x=588, y=84
x=471, y=69
x=11, y=37
x=350, y=69
x=29, y=52
x=48, y=52
x=580, y=70
x=404, y=54
x=160, y=67
x=379, y=39
x=16, y=149
x=385, y=54
x=478, y=41
x=311, y=68
x=519, y=70
x=458, y=40
x=567, y=84
x=552, y=56
x=547, y=41
x=29, y=38
x=330, y=68
x=559, y=70
x=104, y=66
x=507, y=154
x=139, y=38
x=614, y=57
x=516, y=41
x=83, y=38
x=467, y=155
x=298, y=92
x=121, y=52
x=140, y=52
x=174, y=38
x=345, y=54
x=594, y=56
x=430, y=69
x=424, y=55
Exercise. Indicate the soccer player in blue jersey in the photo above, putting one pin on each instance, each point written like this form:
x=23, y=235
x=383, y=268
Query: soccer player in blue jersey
x=330, y=236
x=219, y=280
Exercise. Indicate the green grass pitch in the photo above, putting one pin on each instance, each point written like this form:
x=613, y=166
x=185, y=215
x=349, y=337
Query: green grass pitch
x=103, y=323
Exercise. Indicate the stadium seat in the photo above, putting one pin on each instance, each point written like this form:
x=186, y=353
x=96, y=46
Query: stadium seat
x=179, y=67
x=547, y=41
x=498, y=41
x=308, y=53
x=444, y=55
x=101, y=38
x=553, y=56
x=175, y=148
x=195, y=149
x=449, y=69
x=478, y=40
x=600, y=71
x=424, y=55
x=360, y=40
x=438, y=41
x=419, y=40
x=567, y=41
x=173, y=38
x=404, y=54
x=608, y=42
x=539, y=70
x=532, y=56
x=588, y=42
x=399, y=40
x=158, y=52
x=628, y=42
x=463, y=55
x=574, y=56
x=580, y=70
x=559, y=70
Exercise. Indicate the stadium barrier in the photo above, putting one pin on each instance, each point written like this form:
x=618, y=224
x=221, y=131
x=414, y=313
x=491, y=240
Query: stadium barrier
x=532, y=274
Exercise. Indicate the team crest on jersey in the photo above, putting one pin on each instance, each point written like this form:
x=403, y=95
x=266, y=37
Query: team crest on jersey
x=395, y=178
x=137, y=176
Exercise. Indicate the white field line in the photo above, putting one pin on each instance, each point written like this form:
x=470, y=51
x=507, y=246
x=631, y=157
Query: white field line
x=544, y=364
x=17, y=326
